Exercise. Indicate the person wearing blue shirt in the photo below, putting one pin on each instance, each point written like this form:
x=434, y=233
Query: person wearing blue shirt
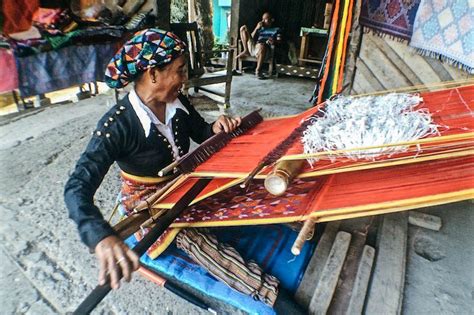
x=257, y=43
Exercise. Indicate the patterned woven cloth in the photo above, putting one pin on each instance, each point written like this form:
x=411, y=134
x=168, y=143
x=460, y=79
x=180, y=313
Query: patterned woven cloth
x=393, y=17
x=445, y=30
x=146, y=49
x=62, y=68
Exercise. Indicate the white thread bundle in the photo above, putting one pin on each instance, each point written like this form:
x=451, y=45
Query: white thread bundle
x=350, y=123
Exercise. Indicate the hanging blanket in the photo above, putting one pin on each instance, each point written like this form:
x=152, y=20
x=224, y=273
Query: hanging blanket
x=393, y=17
x=445, y=30
x=8, y=71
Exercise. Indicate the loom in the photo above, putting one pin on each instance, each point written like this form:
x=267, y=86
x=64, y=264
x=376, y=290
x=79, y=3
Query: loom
x=337, y=187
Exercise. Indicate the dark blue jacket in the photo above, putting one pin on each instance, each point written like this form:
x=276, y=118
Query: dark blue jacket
x=119, y=137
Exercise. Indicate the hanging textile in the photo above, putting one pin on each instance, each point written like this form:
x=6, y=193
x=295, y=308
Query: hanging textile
x=392, y=17
x=332, y=69
x=17, y=15
x=55, y=70
x=8, y=71
x=445, y=30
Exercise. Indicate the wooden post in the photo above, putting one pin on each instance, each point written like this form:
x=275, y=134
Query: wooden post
x=303, y=49
x=234, y=29
x=163, y=14
x=352, y=50
x=191, y=11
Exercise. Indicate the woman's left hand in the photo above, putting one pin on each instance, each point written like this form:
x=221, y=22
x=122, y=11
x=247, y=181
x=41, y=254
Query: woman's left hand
x=226, y=124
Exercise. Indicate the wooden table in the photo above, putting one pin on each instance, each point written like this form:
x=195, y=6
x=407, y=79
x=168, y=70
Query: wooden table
x=305, y=32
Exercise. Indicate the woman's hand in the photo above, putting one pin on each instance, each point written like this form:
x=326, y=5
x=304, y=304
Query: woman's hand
x=115, y=260
x=226, y=124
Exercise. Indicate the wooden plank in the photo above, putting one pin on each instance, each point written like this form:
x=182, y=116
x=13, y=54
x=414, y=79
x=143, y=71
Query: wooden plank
x=424, y=220
x=439, y=69
x=313, y=272
x=398, y=62
x=330, y=275
x=359, y=291
x=358, y=228
x=366, y=78
x=355, y=89
x=456, y=73
x=381, y=66
x=416, y=62
x=386, y=289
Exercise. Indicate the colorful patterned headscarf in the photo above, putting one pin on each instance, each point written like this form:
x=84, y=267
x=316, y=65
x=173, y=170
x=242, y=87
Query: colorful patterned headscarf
x=148, y=48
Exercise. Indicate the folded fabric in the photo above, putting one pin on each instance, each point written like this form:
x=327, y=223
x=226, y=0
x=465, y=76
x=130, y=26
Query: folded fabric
x=268, y=245
x=46, y=16
x=31, y=33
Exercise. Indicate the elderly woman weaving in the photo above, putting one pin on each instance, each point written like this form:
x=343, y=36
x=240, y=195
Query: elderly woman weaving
x=146, y=131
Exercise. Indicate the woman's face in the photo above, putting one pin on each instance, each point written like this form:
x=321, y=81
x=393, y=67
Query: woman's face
x=170, y=80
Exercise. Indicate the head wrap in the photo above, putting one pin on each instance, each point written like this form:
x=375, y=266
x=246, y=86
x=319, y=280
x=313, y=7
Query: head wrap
x=146, y=49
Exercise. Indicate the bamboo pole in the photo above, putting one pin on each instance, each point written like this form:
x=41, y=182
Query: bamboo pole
x=283, y=173
x=305, y=234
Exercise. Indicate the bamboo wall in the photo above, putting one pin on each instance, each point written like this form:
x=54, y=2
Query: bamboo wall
x=384, y=63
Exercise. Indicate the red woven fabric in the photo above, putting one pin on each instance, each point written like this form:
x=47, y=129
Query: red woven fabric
x=8, y=71
x=451, y=109
x=336, y=193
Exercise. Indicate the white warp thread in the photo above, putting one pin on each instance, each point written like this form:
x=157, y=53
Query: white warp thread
x=350, y=123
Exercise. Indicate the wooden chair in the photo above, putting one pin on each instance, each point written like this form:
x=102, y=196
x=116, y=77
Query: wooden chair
x=197, y=76
x=268, y=60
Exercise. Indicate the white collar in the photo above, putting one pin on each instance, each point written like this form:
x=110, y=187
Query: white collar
x=147, y=117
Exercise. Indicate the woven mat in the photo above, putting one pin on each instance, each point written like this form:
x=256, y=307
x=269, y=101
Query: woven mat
x=392, y=17
x=445, y=30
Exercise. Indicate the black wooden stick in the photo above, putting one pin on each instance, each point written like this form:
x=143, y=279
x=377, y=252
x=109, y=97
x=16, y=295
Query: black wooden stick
x=101, y=291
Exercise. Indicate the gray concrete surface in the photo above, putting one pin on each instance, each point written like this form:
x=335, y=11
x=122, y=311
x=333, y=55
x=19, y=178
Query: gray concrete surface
x=46, y=270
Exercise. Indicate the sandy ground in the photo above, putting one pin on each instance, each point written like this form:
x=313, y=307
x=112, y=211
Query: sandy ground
x=46, y=270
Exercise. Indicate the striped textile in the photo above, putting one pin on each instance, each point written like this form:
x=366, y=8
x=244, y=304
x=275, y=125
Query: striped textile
x=226, y=264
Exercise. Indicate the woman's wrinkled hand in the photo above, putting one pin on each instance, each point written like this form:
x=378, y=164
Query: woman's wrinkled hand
x=226, y=124
x=115, y=260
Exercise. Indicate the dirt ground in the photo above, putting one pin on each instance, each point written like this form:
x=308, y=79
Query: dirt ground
x=46, y=270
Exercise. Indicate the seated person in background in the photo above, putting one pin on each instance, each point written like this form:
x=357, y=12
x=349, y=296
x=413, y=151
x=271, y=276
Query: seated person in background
x=257, y=43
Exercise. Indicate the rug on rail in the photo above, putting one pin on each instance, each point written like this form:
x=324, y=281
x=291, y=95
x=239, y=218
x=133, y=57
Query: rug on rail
x=445, y=30
x=392, y=17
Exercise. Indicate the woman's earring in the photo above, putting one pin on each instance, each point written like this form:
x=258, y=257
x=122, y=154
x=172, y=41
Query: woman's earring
x=153, y=80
